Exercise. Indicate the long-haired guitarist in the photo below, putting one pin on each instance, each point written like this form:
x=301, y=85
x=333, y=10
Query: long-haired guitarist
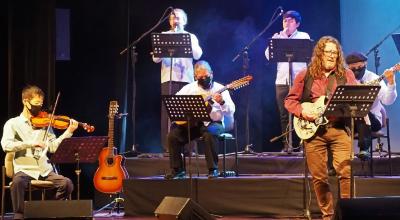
x=222, y=107
x=325, y=71
x=387, y=95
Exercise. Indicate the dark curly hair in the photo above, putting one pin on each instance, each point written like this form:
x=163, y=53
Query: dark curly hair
x=316, y=68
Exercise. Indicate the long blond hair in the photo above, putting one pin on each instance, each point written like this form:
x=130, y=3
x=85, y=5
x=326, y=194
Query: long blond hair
x=315, y=68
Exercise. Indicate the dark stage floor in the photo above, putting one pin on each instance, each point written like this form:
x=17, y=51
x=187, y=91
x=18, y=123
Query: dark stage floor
x=270, y=186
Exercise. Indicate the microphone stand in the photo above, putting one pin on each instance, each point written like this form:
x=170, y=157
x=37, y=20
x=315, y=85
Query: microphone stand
x=133, y=55
x=244, y=53
x=375, y=49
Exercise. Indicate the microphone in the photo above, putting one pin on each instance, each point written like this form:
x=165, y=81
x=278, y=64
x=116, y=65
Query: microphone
x=281, y=10
x=172, y=10
x=284, y=31
x=120, y=115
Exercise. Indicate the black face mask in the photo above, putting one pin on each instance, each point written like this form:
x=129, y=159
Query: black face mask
x=35, y=109
x=359, y=72
x=205, y=82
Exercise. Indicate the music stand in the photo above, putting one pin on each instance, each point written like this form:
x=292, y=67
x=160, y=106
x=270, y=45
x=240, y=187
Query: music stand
x=396, y=39
x=79, y=150
x=189, y=108
x=171, y=45
x=290, y=50
x=351, y=101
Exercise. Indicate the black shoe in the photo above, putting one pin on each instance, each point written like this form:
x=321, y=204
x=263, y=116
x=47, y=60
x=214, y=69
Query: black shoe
x=175, y=175
x=213, y=174
x=331, y=171
x=364, y=155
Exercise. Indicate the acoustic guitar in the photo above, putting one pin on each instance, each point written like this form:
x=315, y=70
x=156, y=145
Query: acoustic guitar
x=111, y=172
x=237, y=84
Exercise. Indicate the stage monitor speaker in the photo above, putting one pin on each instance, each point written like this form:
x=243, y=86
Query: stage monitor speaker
x=172, y=208
x=58, y=209
x=368, y=208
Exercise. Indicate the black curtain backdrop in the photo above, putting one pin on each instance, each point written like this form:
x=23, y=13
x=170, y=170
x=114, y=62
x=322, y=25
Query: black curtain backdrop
x=96, y=73
x=27, y=53
x=30, y=50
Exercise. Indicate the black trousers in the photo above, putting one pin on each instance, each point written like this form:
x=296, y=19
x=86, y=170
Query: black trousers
x=281, y=91
x=175, y=87
x=364, y=131
x=178, y=137
x=63, y=187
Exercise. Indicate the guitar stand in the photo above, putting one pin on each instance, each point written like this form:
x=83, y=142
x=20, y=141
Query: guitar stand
x=116, y=205
x=248, y=150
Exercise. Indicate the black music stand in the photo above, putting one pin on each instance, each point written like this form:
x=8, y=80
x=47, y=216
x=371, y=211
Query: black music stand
x=289, y=50
x=396, y=39
x=79, y=150
x=351, y=101
x=171, y=45
x=189, y=108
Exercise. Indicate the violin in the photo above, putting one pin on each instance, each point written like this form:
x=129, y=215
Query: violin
x=45, y=119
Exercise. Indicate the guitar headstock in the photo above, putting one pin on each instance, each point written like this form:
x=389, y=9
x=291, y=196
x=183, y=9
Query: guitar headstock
x=391, y=70
x=113, y=109
x=396, y=67
x=237, y=84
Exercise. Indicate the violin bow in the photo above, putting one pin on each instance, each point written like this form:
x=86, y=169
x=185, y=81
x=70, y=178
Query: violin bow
x=51, y=117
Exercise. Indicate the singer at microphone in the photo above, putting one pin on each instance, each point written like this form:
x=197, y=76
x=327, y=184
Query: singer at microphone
x=290, y=23
x=176, y=72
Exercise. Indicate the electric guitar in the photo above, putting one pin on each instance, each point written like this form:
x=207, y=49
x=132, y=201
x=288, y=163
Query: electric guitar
x=237, y=84
x=111, y=172
x=306, y=129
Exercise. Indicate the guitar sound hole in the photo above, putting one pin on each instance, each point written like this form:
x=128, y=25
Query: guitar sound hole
x=110, y=161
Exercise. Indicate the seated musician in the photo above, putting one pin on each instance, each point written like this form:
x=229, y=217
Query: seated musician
x=222, y=106
x=29, y=147
x=387, y=95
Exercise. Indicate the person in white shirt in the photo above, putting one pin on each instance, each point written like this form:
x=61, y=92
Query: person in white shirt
x=221, y=106
x=29, y=147
x=182, y=68
x=291, y=22
x=387, y=95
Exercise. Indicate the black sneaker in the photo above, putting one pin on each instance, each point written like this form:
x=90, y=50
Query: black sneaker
x=175, y=175
x=213, y=174
x=363, y=155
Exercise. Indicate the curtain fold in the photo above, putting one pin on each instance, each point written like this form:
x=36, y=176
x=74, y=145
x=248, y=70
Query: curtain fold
x=31, y=49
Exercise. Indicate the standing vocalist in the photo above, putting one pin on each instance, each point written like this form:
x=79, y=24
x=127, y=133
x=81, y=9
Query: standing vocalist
x=291, y=22
x=182, y=68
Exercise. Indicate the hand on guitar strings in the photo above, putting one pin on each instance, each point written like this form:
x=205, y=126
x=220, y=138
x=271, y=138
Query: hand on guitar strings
x=309, y=115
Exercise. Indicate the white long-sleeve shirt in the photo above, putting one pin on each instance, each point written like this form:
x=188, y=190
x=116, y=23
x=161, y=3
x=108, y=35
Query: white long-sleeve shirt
x=182, y=68
x=386, y=96
x=19, y=137
x=218, y=112
x=283, y=67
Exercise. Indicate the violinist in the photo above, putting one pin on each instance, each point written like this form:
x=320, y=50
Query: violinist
x=29, y=145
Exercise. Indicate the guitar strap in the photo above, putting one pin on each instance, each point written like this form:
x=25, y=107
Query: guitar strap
x=308, y=81
x=328, y=91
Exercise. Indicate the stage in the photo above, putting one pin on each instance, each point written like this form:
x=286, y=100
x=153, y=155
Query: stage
x=268, y=185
